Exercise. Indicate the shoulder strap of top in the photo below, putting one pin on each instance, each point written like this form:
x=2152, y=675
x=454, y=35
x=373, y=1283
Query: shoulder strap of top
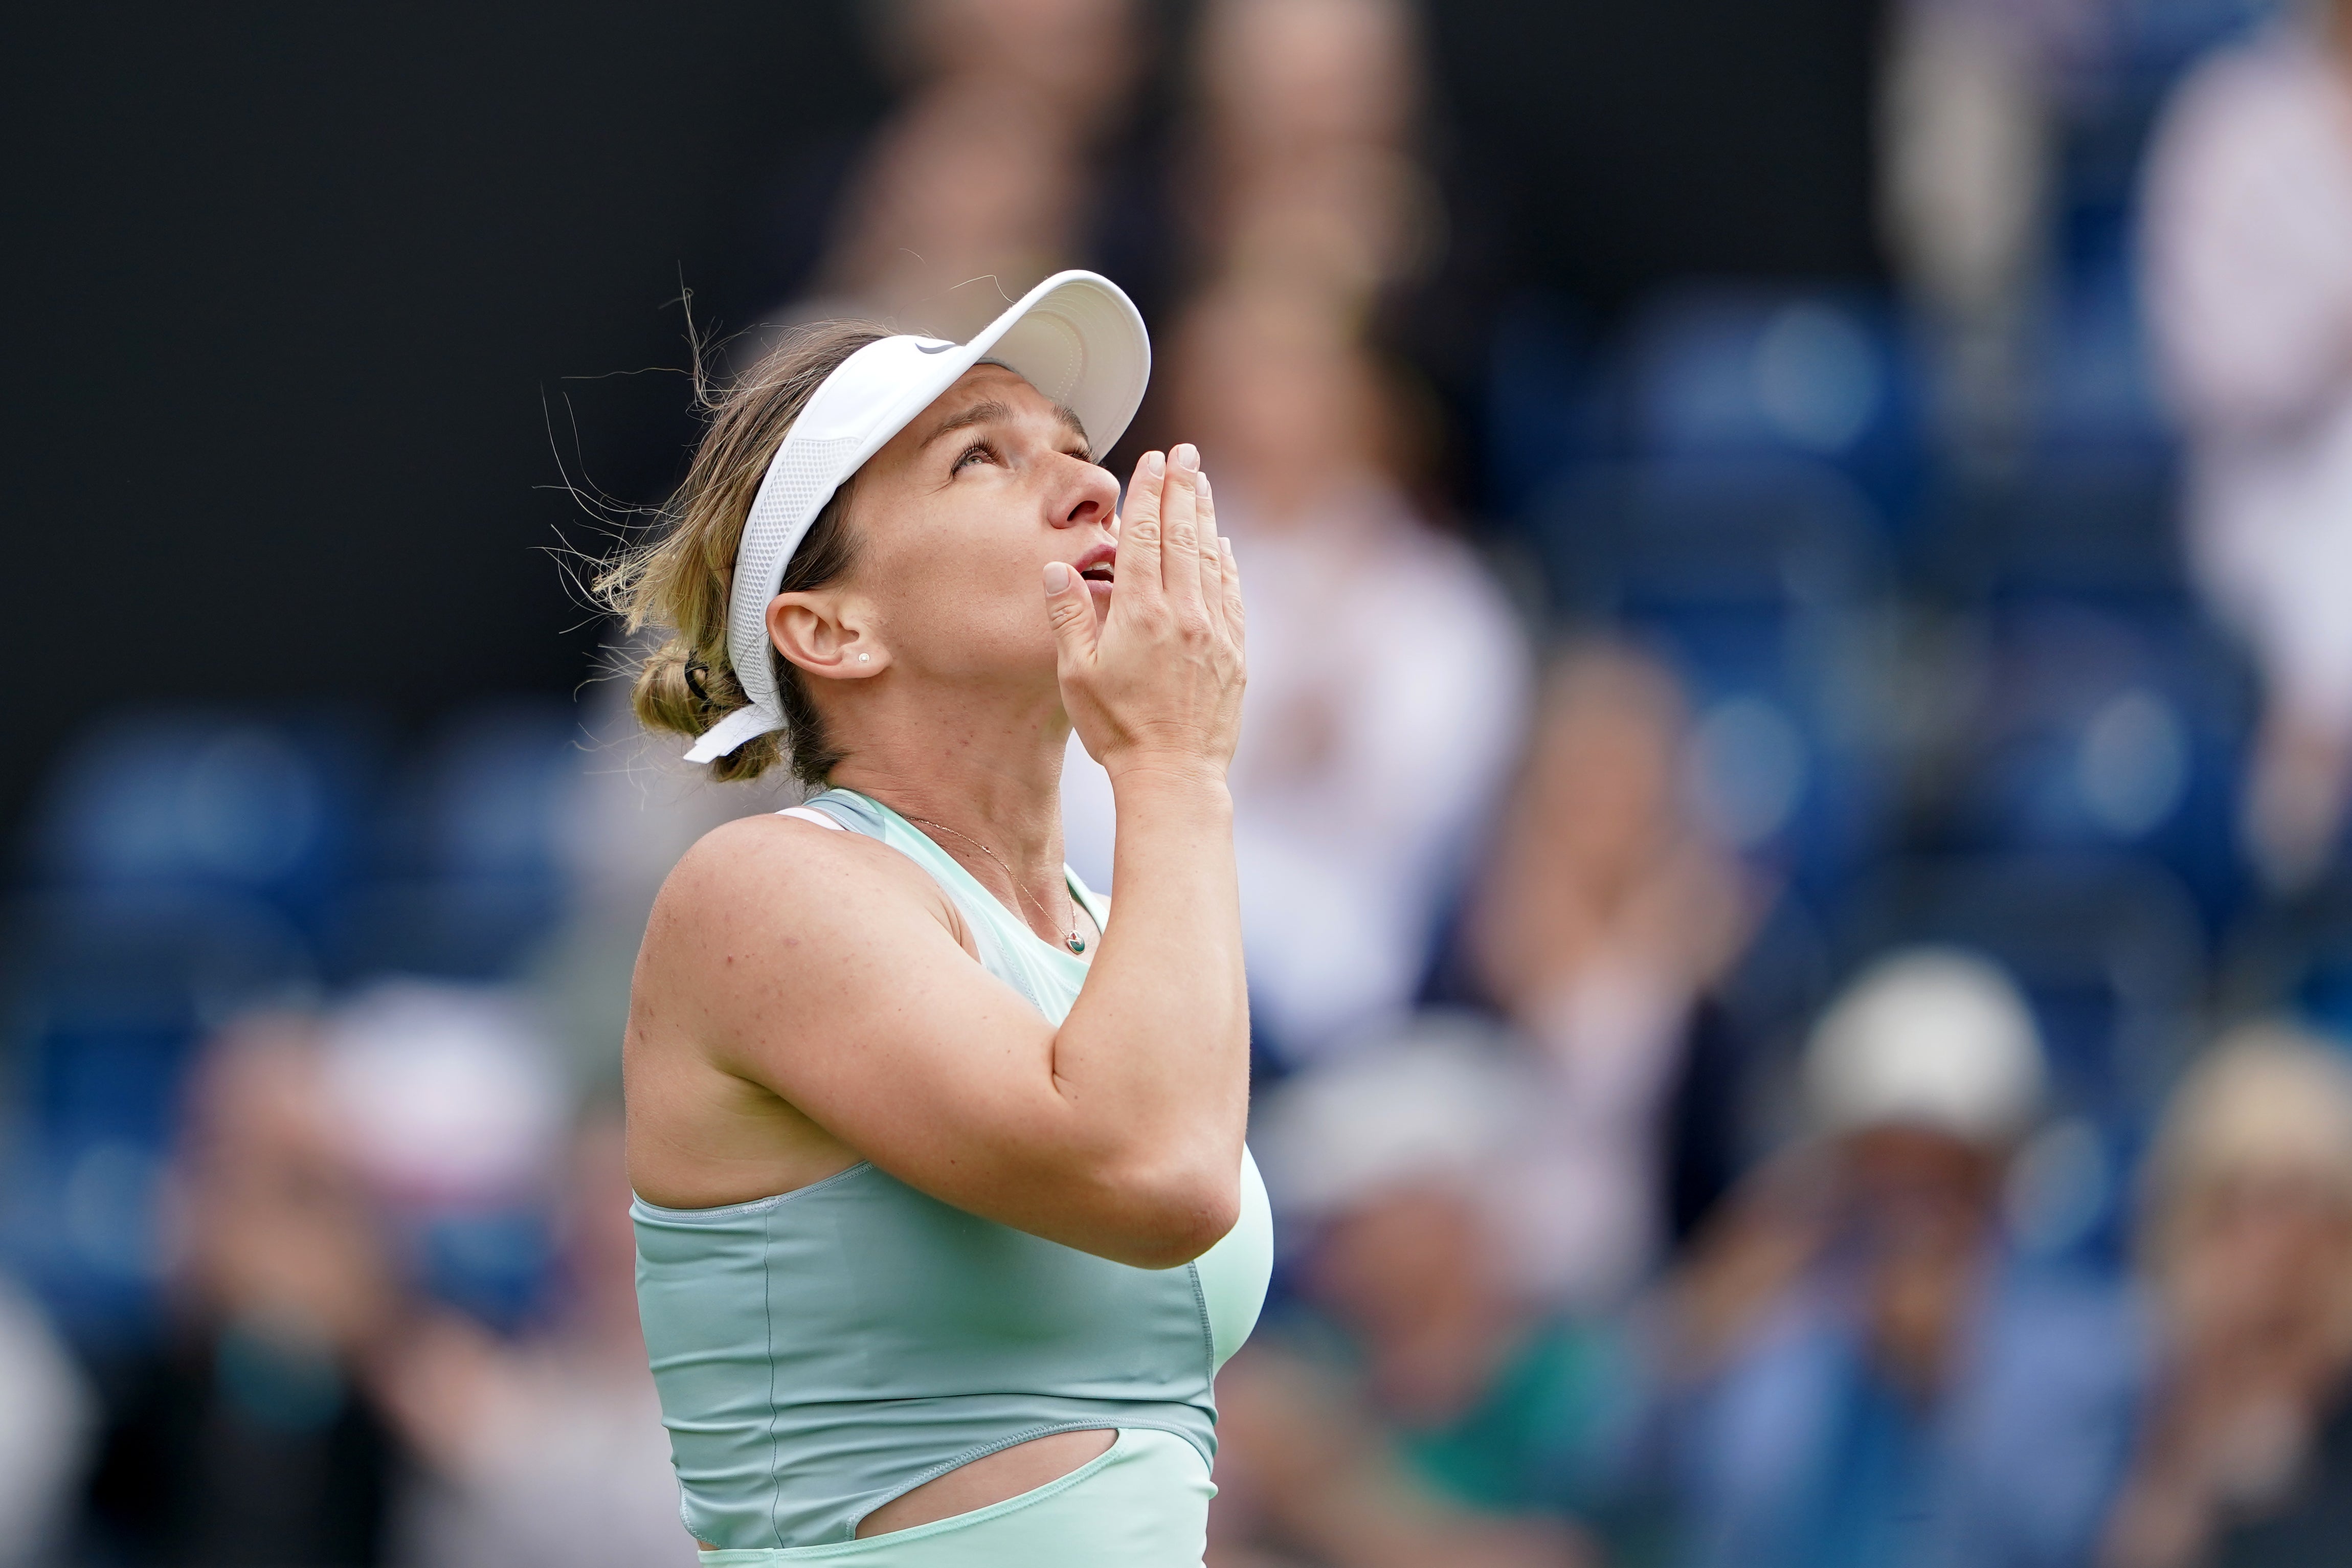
x=999, y=936
x=845, y=809
x=842, y=808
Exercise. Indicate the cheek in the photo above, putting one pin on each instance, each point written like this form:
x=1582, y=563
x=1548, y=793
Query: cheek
x=961, y=593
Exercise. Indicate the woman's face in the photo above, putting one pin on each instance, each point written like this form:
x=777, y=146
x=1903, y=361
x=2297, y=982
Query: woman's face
x=2266, y=1256
x=955, y=520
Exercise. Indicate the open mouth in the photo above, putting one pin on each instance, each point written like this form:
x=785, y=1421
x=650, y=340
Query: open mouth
x=1097, y=564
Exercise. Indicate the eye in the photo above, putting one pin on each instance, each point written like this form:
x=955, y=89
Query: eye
x=977, y=450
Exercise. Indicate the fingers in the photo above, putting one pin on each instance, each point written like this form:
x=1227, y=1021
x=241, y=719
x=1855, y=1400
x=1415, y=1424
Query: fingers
x=1221, y=572
x=1071, y=607
x=1180, y=528
x=1236, y=624
x=1213, y=554
x=1138, y=532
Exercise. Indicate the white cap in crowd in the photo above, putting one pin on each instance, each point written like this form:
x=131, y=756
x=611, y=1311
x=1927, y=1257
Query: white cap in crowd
x=1928, y=1036
x=1435, y=1104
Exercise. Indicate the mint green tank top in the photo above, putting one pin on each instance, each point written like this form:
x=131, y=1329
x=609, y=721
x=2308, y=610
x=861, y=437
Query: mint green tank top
x=820, y=1351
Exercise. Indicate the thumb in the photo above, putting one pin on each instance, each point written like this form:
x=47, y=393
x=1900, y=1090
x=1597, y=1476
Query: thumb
x=1070, y=606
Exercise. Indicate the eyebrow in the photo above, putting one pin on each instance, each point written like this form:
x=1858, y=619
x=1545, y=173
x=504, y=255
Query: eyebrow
x=989, y=409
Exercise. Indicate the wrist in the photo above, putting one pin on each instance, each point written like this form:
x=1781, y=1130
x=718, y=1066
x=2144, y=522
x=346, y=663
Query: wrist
x=1195, y=779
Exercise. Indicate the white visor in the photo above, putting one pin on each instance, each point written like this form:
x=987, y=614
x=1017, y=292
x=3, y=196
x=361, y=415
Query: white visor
x=1075, y=337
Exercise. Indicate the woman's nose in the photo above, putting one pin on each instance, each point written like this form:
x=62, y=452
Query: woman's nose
x=1092, y=497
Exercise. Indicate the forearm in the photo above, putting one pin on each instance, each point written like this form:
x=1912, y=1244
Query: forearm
x=1150, y=1069
x=1154, y=1058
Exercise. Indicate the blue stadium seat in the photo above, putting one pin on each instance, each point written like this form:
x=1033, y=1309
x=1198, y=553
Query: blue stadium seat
x=2103, y=713
x=2097, y=731
x=206, y=800
x=1818, y=376
x=175, y=865
x=2093, y=384
x=1763, y=580
x=108, y=993
x=467, y=875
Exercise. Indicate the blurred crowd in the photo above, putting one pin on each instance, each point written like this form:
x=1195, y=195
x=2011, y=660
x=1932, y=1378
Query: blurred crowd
x=1794, y=843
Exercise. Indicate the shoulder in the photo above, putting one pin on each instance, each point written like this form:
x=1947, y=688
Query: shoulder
x=769, y=927
x=773, y=876
x=770, y=853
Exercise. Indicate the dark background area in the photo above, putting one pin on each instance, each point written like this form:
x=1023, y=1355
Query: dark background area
x=1633, y=145
x=315, y=309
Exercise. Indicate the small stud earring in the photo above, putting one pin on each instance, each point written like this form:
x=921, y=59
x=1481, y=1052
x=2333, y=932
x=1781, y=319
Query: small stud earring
x=864, y=657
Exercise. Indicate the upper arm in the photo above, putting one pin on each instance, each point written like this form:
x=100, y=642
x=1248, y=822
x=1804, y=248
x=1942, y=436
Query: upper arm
x=828, y=969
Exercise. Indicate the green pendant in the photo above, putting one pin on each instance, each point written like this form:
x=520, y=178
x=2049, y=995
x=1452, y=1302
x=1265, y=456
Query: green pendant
x=1075, y=943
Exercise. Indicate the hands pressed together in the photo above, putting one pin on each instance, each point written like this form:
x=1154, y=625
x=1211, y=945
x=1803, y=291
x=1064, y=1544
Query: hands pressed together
x=1157, y=683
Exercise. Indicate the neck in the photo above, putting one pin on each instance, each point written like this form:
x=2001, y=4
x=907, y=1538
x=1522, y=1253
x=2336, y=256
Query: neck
x=987, y=773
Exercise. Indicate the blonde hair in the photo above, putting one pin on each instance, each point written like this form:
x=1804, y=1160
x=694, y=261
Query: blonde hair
x=2270, y=1100
x=676, y=581
x=2271, y=1103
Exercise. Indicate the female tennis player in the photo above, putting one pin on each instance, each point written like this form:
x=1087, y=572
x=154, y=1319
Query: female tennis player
x=944, y=1218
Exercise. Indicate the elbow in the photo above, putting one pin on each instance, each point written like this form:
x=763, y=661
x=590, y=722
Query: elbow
x=1171, y=1222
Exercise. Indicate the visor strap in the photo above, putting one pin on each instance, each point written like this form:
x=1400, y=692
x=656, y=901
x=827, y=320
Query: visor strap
x=722, y=738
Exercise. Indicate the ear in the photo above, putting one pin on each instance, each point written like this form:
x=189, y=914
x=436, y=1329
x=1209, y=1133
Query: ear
x=825, y=635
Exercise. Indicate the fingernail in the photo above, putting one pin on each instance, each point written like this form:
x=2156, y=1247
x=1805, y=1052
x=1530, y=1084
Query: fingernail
x=1202, y=482
x=1186, y=456
x=1057, y=576
x=1153, y=462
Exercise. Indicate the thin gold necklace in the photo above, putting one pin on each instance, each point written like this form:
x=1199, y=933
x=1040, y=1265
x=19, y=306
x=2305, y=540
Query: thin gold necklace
x=1073, y=941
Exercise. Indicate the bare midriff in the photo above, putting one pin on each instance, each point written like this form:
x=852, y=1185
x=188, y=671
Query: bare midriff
x=990, y=1478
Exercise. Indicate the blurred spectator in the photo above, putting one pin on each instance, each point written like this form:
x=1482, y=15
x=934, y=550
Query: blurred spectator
x=549, y=1450
x=1072, y=60
x=449, y=1094
x=2247, y=1458
x=453, y=1104
x=1969, y=135
x=46, y=1415
x=1387, y=674
x=988, y=177
x=248, y=1437
x=1415, y=1406
x=1310, y=180
x=1870, y=1376
x=2248, y=244
x=1603, y=918
x=967, y=198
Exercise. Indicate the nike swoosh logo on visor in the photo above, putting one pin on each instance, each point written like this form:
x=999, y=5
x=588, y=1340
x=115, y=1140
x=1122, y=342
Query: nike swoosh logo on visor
x=940, y=349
